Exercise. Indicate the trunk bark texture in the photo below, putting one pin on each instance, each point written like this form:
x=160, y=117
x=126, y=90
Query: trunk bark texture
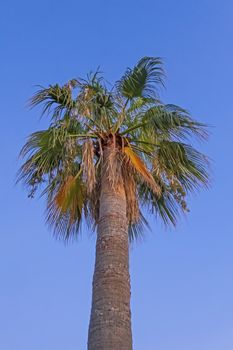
x=110, y=323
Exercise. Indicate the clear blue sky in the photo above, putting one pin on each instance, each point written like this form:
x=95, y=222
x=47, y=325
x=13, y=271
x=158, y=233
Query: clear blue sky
x=182, y=280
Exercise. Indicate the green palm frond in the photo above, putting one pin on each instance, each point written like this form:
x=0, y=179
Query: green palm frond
x=141, y=81
x=139, y=105
x=95, y=102
x=165, y=207
x=49, y=152
x=164, y=121
x=55, y=99
x=172, y=122
x=44, y=158
x=183, y=162
x=137, y=229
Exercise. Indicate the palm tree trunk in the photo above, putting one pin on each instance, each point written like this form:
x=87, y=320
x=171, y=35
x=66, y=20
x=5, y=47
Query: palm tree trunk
x=110, y=323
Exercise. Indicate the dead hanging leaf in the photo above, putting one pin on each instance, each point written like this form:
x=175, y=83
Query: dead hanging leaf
x=88, y=165
x=141, y=168
x=112, y=169
x=69, y=199
x=62, y=198
x=65, y=210
x=112, y=162
x=133, y=213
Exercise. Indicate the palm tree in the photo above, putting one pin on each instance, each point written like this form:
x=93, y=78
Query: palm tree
x=107, y=157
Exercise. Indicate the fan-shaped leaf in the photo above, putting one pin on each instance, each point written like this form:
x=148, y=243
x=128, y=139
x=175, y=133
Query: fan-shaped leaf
x=141, y=81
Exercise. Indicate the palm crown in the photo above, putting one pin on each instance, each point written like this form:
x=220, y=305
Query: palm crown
x=151, y=143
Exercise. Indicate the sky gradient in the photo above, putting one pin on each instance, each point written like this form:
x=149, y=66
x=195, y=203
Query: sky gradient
x=182, y=279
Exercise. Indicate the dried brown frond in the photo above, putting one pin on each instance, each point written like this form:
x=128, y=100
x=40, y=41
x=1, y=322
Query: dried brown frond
x=88, y=166
x=64, y=211
x=112, y=163
x=94, y=199
x=142, y=170
x=111, y=167
x=132, y=209
x=62, y=197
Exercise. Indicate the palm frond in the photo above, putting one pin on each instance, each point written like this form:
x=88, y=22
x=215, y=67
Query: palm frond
x=140, y=103
x=136, y=230
x=95, y=102
x=47, y=152
x=65, y=209
x=56, y=99
x=166, y=207
x=172, y=122
x=142, y=80
x=141, y=169
x=88, y=165
x=132, y=207
x=183, y=162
